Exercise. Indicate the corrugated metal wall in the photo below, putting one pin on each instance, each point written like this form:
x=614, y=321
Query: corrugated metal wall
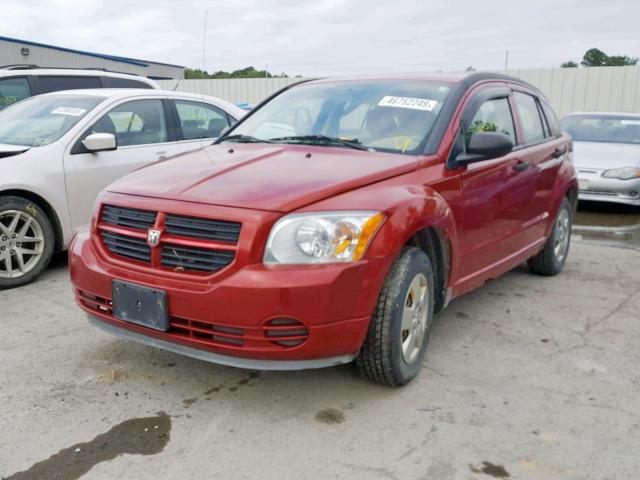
x=568, y=89
x=240, y=90
x=579, y=89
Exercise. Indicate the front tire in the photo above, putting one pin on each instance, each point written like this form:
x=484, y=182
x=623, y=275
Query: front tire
x=396, y=344
x=26, y=241
x=551, y=259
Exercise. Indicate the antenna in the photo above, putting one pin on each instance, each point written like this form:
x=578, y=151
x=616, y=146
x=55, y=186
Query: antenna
x=506, y=60
x=204, y=49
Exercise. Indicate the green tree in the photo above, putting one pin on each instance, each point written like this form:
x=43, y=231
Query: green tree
x=248, y=72
x=621, y=60
x=597, y=58
x=569, y=64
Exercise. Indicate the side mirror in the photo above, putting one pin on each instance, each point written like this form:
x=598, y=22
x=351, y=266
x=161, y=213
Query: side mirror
x=485, y=146
x=100, y=142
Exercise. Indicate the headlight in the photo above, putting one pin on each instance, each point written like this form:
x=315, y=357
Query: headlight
x=323, y=237
x=625, y=173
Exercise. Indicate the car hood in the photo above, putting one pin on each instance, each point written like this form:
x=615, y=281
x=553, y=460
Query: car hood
x=602, y=155
x=10, y=150
x=265, y=177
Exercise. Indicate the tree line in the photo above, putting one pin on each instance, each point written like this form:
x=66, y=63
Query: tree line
x=249, y=72
x=595, y=57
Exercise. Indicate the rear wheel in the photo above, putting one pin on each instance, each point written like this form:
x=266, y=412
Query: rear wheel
x=551, y=259
x=396, y=343
x=26, y=241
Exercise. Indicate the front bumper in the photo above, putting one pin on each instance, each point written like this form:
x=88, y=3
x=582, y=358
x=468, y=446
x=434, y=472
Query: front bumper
x=224, y=322
x=594, y=187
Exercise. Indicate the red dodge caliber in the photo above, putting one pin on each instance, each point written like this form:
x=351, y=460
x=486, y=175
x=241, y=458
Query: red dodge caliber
x=331, y=223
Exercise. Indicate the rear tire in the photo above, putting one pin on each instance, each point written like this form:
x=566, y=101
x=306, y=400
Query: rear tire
x=396, y=344
x=551, y=259
x=27, y=240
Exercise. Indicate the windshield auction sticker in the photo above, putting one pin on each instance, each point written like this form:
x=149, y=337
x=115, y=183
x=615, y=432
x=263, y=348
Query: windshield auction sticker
x=72, y=111
x=408, y=102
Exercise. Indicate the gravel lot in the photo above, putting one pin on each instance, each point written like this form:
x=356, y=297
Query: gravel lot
x=526, y=378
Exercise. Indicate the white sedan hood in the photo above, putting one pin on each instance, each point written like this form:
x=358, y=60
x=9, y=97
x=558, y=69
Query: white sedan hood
x=604, y=155
x=9, y=150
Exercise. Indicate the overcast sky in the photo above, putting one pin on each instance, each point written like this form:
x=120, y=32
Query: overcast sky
x=320, y=37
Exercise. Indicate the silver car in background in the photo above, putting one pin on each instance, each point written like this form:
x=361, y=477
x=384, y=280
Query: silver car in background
x=59, y=150
x=606, y=153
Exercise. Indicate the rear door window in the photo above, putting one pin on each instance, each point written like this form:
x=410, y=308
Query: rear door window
x=200, y=120
x=139, y=122
x=54, y=84
x=116, y=82
x=13, y=90
x=529, y=115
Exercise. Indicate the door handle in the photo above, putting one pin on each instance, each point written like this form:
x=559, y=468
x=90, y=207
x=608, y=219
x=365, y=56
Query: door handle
x=558, y=152
x=521, y=166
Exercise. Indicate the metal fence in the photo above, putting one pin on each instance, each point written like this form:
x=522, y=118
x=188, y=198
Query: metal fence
x=568, y=89
x=240, y=90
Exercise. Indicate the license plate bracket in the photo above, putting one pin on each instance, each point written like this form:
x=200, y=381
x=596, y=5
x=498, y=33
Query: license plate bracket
x=141, y=305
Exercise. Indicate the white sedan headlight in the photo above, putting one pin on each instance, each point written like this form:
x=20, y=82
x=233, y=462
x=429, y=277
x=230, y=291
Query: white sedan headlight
x=624, y=173
x=322, y=237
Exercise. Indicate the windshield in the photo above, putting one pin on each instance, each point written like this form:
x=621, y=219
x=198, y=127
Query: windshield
x=39, y=121
x=388, y=116
x=603, y=128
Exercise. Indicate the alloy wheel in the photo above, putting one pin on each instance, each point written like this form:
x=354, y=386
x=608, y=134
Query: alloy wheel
x=21, y=243
x=414, y=318
x=561, y=235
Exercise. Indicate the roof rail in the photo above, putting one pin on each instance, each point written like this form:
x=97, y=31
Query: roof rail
x=26, y=66
x=18, y=66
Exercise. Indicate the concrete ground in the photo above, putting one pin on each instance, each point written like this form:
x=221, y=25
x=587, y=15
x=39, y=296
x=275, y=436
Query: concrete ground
x=526, y=378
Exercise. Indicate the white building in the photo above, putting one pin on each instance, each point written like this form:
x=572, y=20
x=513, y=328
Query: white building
x=23, y=52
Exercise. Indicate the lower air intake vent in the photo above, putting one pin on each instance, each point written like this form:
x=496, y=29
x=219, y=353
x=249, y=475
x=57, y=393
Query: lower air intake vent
x=286, y=332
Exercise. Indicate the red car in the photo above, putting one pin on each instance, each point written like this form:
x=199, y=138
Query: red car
x=331, y=223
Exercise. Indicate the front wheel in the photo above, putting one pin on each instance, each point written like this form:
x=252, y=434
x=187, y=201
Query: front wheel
x=551, y=259
x=26, y=241
x=396, y=343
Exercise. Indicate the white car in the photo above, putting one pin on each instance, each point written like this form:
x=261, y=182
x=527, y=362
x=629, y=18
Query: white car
x=59, y=150
x=606, y=155
x=20, y=82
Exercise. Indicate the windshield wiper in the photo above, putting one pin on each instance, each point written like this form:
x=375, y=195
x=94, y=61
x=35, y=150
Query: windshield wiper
x=240, y=138
x=322, y=139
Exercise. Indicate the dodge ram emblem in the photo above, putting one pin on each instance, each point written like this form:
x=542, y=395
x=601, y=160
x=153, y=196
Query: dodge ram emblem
x=153, y=238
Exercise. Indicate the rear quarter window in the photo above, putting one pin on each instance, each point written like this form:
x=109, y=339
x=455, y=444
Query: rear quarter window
x=114, y=82
x=552, y=119
x=55, y=84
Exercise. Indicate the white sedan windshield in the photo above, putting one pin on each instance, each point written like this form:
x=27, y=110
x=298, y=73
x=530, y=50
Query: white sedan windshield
x=39, y=121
